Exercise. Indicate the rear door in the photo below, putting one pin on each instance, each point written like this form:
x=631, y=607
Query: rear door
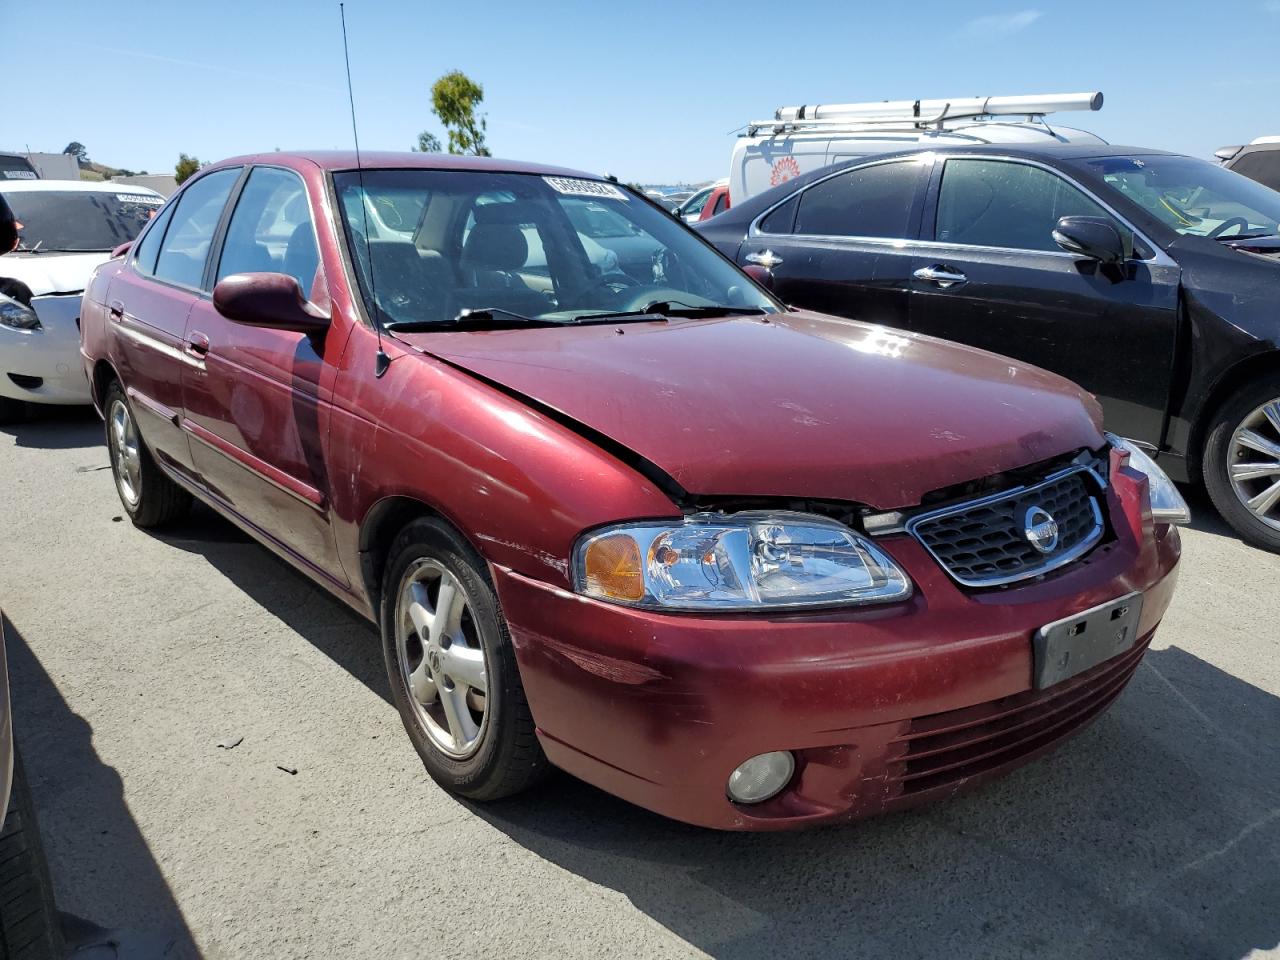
x=148, y=304
x=993, y=277
x=258, y=399
x=844, y=244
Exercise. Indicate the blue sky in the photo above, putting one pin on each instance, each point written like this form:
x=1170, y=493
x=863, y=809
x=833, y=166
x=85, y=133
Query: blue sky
x=647, y=91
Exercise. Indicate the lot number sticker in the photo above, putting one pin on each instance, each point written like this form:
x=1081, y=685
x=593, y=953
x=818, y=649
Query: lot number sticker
x=584, y=188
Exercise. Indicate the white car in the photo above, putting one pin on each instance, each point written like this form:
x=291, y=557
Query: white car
x=69, y=227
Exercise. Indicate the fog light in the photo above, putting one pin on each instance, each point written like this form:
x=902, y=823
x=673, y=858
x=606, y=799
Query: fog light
x=761, y=777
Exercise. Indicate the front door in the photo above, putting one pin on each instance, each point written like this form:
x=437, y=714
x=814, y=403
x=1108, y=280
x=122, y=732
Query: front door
x=257, y=402
x=148, y=306
x=994, y=278
x=843, y=245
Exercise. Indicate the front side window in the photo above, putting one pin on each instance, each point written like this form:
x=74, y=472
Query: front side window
x=185, y=246
x=80, y=221
x=1001, y=203
x=1193, y=197
x=546, y=248
x=694, y=205
x=870, y=201
x=271, y=230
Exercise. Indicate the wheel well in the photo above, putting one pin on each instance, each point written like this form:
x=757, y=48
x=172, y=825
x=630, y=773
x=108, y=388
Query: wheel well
x=384, y=521
x=1230, y=382
x=103, y=375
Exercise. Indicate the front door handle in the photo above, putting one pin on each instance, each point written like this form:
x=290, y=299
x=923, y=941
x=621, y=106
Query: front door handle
x=198, y=345
x=944, y=277
x=765, y=258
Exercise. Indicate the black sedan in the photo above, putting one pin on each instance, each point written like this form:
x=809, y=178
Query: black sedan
x=1151, y=279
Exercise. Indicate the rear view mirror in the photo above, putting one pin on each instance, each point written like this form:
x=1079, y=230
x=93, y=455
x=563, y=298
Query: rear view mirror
x=1092, y=237
x=271, y=300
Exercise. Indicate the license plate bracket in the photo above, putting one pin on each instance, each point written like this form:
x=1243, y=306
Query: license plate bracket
x=1069, y=646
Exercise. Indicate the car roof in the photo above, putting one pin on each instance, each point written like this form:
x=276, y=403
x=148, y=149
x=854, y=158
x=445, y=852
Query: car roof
x=391, y=160
x=1032, y=151
x=74, y=186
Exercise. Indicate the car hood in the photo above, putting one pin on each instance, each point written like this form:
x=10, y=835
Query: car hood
x=794, y=405
x=52, y=272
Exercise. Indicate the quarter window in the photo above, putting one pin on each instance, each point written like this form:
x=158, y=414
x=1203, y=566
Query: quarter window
x=870, y=201
x=271, y=229
x=185, y=247
x=999, y=203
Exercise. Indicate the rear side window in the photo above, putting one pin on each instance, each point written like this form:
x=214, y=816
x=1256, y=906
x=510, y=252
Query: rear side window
x=781, y=218
x=271, y=229
x=1260, y=165
x=145, y=257
x=999, y=203
x=871, y=201
x=185, y=247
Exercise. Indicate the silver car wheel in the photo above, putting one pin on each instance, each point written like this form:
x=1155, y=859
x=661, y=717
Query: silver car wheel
x=1253, y=462
x=442, y=660
x=125, y=453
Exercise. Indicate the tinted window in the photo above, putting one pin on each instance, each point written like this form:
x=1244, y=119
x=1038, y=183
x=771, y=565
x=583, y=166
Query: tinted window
x=1260, y=165
x=996, y=203
x=868, y=202
x=186, y=243
x=781, y=218
x=149, y=245
x=271, y=230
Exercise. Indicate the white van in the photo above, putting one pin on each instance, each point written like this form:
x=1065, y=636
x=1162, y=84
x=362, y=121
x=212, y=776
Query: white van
x=800, y=139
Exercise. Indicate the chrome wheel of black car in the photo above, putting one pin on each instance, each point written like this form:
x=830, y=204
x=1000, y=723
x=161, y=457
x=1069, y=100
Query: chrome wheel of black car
x=1254, y=462
x=1242, y=462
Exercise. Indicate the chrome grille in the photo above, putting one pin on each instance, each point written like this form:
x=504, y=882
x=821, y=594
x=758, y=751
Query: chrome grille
x=986, y=542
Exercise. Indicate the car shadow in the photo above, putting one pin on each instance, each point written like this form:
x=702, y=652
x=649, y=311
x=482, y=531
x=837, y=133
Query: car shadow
x=1204, y=515
x=57, y=428
x=329, y=625
x=90, y=836
x=1156, y=833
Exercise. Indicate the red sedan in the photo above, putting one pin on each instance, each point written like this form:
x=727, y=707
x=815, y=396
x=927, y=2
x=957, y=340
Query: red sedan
x=747, y=566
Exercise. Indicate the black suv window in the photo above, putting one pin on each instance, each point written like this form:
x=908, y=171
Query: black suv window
x=186, y=243
x=1260, y=165
x=870, y=201
x=1002, y=203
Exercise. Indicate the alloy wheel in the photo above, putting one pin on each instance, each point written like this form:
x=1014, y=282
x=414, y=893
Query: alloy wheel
x=126, y=453
x=442, y=659
x=1253, y=462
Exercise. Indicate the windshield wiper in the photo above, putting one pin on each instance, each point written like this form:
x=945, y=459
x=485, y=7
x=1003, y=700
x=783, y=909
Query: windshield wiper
x=480, y=318
x=1246, y=236
x=676, y=308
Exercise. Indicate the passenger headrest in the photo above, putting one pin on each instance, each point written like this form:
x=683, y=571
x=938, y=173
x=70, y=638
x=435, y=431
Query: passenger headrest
x=496, y=246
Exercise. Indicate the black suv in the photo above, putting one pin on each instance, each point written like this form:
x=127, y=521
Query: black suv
x=1151, y=279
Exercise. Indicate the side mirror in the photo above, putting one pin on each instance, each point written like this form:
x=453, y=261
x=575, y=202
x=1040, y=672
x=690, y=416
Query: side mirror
x=1092, y=237
x=121, y=250
x=761, y=275
x=267, y=300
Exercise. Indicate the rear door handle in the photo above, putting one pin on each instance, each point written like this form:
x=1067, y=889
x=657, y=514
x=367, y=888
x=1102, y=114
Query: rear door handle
x=116, y=309
x=944, y=277
x=765, y=258
x=198, y=345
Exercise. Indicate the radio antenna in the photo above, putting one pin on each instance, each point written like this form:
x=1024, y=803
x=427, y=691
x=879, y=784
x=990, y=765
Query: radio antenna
x=382, y=361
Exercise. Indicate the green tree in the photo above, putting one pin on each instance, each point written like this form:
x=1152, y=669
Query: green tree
x=455, y=98
x=428, y=142
x=77, y=149
x=185, y=167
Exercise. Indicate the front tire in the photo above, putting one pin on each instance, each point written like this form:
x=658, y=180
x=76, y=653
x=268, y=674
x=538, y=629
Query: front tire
x=452, y=668
x=28, y=918
x=1242, y=462
x=149, y=497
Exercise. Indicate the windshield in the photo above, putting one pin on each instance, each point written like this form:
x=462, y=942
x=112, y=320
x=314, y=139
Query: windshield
x=80, y=221
x=430, y=244
x=1193, y=197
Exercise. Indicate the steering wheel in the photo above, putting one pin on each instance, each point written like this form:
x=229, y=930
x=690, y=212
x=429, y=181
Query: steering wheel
x=614, y=283
x=1222, y=228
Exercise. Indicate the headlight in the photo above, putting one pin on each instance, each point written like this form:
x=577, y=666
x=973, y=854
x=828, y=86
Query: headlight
x=743, y=561
x=1167, y=505
x=15, y=315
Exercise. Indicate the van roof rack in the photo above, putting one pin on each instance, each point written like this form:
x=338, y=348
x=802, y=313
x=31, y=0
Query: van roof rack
x=912, y=116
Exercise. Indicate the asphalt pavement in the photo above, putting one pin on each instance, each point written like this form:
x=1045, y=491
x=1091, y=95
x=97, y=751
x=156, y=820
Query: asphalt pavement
x=138, y=659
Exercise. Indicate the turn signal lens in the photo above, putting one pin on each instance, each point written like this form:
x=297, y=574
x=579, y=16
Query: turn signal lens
x=611, y=568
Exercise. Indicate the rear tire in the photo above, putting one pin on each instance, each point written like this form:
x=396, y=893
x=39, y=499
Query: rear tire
x=149, y=497
x=28, y=919
x=449, y=655
x=1245, y=435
